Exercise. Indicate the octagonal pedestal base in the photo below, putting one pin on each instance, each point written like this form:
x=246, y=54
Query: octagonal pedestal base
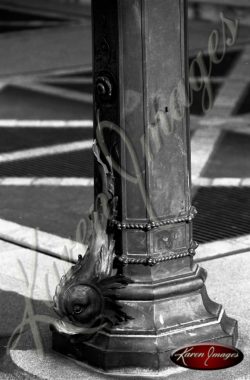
x=158, y=327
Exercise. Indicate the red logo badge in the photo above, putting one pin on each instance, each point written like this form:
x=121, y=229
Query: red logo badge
x=207, y=356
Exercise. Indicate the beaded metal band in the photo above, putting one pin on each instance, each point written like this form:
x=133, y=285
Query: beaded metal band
x=150, y=260
x=150, y=225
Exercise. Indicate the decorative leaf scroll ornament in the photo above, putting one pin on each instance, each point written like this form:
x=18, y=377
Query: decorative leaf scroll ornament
x=85, y=297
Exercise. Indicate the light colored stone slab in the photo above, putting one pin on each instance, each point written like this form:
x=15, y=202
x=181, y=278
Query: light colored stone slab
x=46, y=181
x=245, y=182
x=45, y=151
x=226, y=182
x=14, y=123
x=42, y=241
x=219, y=248
x=42, y=272
x=202, y=181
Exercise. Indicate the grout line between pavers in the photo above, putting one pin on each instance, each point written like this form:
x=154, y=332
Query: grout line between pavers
x=14, y=123
x=47, y=181
x=45, y=151
x=53, y=245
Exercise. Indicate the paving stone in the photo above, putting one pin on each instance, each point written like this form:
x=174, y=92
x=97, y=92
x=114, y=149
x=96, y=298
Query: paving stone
x=27, y=285
x=223, y=213
x=198, y=105
x=12, y=139
x=47, y=49
x=19, y=265
x=222, y=248
x=26, y=104
x=231, y=157
x=40, y=241
x=200, y=30
x=79, y=87
x=71, y=164
x=62, y=208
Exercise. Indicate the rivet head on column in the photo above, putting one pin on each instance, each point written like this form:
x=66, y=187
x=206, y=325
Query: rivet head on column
x=104, y=88
x=100, y=89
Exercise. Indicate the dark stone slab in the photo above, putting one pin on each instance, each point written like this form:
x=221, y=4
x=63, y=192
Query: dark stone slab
x=223, y=213
x=231, y=157
x=73, y=164
x=26, y=104
x=12, y=139
x=62, y=208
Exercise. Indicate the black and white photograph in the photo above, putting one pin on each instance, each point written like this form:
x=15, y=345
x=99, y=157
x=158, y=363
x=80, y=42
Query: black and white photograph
x=124, y=189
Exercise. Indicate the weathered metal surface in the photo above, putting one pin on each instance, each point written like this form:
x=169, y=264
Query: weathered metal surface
x=85, y=294
x=140, y=67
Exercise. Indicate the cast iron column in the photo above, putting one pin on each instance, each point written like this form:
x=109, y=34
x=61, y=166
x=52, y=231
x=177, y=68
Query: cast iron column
x=142, y=133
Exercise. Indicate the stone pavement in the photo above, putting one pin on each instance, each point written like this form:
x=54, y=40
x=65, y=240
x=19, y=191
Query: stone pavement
x=31, y=357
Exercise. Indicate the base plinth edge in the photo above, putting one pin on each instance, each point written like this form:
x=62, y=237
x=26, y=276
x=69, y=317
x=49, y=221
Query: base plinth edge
x=144, y=363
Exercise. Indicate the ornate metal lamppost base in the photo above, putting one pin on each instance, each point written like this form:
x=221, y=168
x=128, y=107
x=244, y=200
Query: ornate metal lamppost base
x=177, y=312
x=157, y=301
